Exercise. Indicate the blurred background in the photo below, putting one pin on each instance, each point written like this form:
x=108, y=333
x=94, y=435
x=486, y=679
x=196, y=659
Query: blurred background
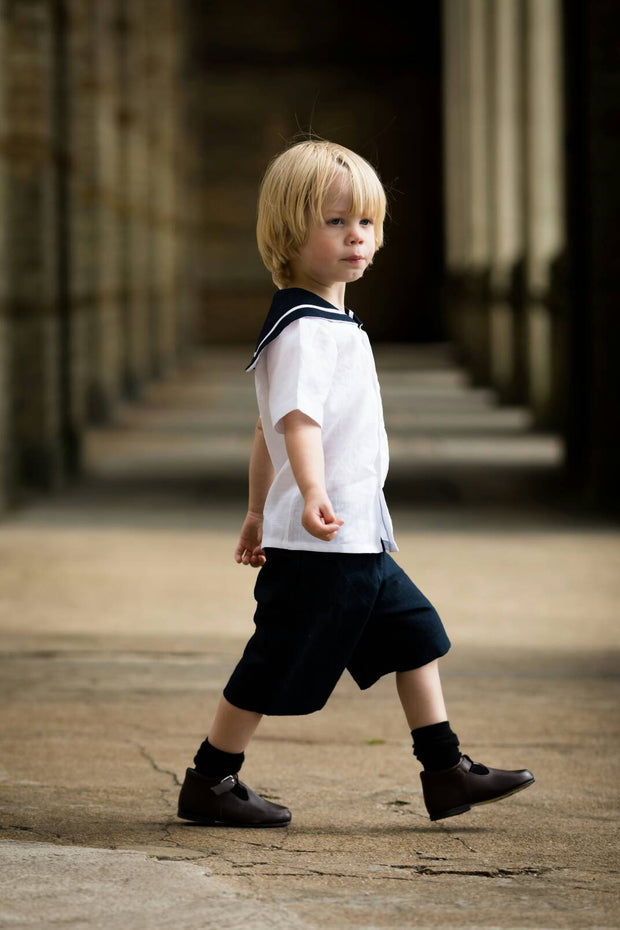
x=134, y=136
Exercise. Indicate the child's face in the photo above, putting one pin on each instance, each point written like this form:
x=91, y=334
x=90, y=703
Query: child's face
x=340, y=248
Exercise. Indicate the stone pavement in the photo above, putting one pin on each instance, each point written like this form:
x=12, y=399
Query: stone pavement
x=122, y=612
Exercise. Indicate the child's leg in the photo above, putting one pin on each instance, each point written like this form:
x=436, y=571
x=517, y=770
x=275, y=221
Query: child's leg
x=434, y=743
x=419, y=690
x=212, y=793
x=221, y=753
x=451, y=783
x=232, y=728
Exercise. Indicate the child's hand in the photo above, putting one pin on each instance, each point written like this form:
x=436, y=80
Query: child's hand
x=248, y=551
x=318, y=517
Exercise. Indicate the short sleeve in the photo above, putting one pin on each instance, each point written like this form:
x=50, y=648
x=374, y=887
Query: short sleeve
x=300, y=367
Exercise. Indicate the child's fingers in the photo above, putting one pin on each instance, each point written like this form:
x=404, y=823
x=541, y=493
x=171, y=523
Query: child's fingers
x=243, y=554
x=254, y=557
x=332, y=521
x=320, y=521
x=323, y=530
x=326, y=513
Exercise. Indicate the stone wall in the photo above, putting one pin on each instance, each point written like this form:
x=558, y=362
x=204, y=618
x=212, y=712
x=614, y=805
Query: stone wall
x=95, y=294
x=133, y=134
x=530, y=96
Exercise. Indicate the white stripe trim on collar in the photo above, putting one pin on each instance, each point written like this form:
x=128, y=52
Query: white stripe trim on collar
x=292, y=310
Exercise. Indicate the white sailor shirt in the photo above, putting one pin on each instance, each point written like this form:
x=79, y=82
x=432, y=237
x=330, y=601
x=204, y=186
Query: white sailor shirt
x=313, y=357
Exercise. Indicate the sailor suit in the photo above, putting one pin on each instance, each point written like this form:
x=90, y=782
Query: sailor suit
x=315, y=358
x=324, y=606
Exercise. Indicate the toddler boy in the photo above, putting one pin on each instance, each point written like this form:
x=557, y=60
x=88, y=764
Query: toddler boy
x=329, y=595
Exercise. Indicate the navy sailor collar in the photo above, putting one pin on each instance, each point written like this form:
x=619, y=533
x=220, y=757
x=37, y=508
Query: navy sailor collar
x=290, y=304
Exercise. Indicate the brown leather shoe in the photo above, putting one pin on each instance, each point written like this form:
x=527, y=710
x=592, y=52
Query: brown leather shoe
x=227, y=802
x=456, y=790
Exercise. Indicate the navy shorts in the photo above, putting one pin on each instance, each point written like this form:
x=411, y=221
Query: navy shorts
x=321, y=612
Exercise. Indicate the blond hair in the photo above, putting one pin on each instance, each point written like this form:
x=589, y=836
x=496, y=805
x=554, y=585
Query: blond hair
x=293, y=191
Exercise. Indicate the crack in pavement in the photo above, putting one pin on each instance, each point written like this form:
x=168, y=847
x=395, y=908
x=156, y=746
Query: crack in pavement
x=167, y=834
x=288, y=849
x=154, y=764
x=46, y=834
x=483, y=873
x=195, y=860
x=164, y=796
x=280, y=873
x=455, y=836
x=415, y=870
x=249, y=865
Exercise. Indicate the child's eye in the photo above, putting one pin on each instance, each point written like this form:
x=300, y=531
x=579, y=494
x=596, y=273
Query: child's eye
x=366, y=222
x=335, y=221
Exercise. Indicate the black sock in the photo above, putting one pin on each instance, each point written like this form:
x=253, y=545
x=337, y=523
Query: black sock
x=215, y=763
x=436, y=746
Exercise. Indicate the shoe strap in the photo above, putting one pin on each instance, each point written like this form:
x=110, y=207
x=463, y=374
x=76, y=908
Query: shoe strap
x=226, y=784
x=476, y=767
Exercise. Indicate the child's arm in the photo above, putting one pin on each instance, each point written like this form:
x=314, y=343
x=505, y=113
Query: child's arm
x=261, y=473
x=305, y=451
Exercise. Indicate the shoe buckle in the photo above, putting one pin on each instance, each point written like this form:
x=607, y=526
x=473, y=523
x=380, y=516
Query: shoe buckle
x=226, y=784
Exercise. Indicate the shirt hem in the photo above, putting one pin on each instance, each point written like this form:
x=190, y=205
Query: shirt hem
x=326, y=547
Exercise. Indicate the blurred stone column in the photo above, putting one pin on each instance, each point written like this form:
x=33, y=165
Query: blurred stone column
x=146, y=146
x=188, y=219
x=192, y=247
x=508, y=344
x=456, y=160
x=467, y=186
x=135, y=175
x=30, y=269
x=478, y=328
x=5, y=443
x=104, y=322
x=79, y=99
x=161, y=26
x=544, y=206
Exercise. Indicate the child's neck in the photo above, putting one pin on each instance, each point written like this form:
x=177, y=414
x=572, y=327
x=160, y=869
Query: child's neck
x=332, y=293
